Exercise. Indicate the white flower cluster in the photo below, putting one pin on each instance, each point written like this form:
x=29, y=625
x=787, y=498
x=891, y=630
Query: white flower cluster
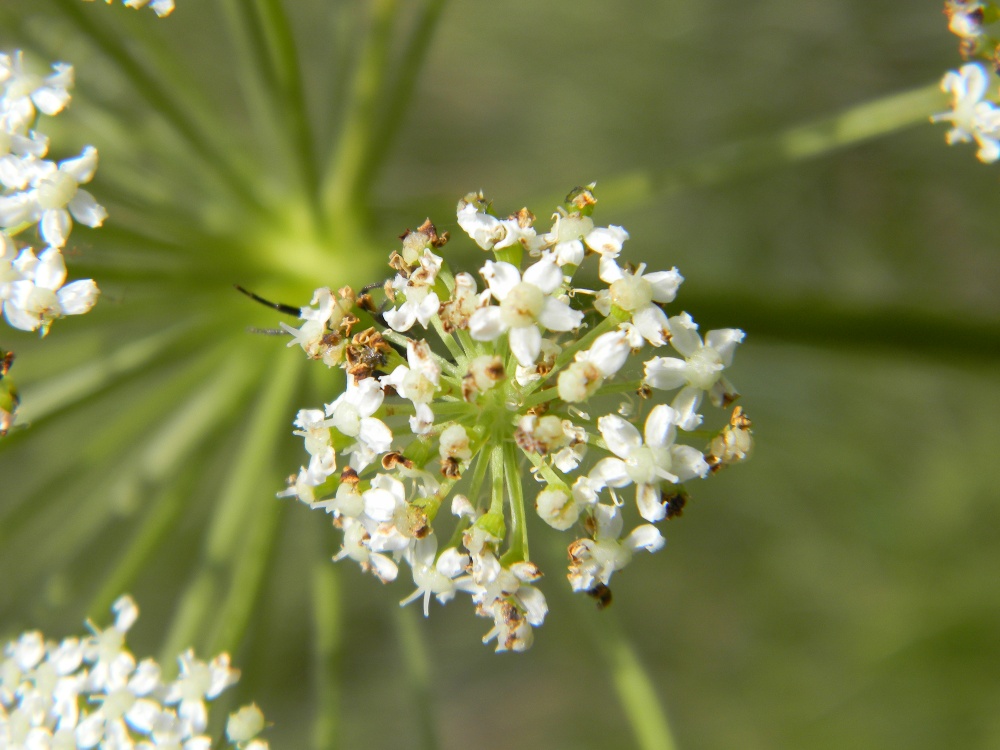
x=500, y=391
x=91, y=693
x=160, y=7
x=973, y=116
x=36, y=192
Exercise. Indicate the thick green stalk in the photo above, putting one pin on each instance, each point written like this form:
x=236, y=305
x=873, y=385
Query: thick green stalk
x=399, y=99
x=418, y=676
x=327, y=645
x=144, y=446
x=496, y=478
x=855, y=125
x=285, y=62
x=632, y=683
x=518, y=515
x=165, y=510
x=250, y=67
x=246, y=524
x=238, y=526
x=73, y=386
x=340, y=180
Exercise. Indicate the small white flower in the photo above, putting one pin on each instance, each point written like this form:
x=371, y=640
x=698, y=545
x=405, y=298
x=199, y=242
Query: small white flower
x=352, y=413
x=418, y=383
x=646, y=464
x=316, y=321
x=637, y=294
x=25, y=92
x=435, y=578
x=557, y=507
x=39, y=297
x=491, y=233
x=523, y=305
x=699, y=372
x=245, y=724
x=972, y=117
x=455, y=313
x=593, y=561
x=608, y=353
x=421, y=302
x=607, y=241
x=199, y=681
x=59, y=199
x=965, y=19
x=162, y=8
x=316, y=431
x=105, y=649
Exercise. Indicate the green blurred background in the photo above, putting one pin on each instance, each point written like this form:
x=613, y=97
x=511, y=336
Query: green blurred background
x=840, y=590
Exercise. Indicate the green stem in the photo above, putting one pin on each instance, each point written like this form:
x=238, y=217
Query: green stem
x=74, y=386
x=247, y=544
x=398, y=101
x=240, y=528
x=882, y=329
x=255, y=78
x=285, y=61
x=633, y=684
x=340, y=181
x=327, y=648
x=856, y=125
x=496, y=479
x=518, y=515
x=108, y=474
x=417, y=666
x=163, y=515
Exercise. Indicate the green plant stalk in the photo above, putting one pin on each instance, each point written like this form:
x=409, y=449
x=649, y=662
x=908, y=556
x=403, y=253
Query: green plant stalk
x=853, y=126
x=327, y=644
x=239, y=499
x=635, y=689
x=53, y=533
x=249, y=524
x=340, y=179
x=418, y=675
x=518, y=515
x=401, y=94
x=256, y=79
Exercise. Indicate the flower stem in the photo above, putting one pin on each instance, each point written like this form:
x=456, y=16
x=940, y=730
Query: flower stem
x=417, y=666
x=519, y=520
x=496, y=478
x=850, y=127
x=285, y=62
x=398, y=101
x=165, y=458
x=340, y=181
x=327, y=646
x=242, y=528
x=633, y=684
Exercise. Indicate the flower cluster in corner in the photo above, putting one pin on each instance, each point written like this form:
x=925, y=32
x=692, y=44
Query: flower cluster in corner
x=91, y=692
x=41, y=196
x=458, y=389
x=160, y=7
x=974, y=116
